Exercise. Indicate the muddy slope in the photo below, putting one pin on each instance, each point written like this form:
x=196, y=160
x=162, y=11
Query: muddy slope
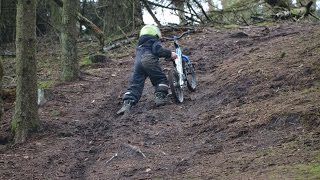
x=255, y=115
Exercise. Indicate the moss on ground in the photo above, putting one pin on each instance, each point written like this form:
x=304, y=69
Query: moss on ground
x=85, y=61
x=46, y=84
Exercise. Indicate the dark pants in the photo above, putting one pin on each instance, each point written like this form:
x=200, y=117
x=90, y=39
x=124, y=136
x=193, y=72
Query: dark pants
x=146, y=65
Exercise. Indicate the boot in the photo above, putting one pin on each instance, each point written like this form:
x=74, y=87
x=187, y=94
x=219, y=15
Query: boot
x=160, y=98
x=127, y=104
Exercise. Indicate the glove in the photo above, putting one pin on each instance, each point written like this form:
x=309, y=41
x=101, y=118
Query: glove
x=174, y=55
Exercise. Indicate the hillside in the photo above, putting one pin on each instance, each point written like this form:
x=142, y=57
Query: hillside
x=255, y=115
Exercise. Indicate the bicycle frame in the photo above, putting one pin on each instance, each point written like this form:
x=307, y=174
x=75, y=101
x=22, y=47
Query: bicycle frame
x=178, y=64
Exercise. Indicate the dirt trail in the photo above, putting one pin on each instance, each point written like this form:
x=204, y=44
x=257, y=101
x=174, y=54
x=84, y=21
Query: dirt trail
x=254, y=116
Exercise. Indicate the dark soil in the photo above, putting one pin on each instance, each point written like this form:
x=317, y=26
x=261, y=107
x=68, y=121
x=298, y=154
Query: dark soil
x=255, y=115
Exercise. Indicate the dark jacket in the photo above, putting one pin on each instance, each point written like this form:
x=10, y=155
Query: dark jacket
x=153, y=44
x=147, y=64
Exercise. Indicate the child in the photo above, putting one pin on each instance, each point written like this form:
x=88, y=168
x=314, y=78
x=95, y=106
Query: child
x=147, y=64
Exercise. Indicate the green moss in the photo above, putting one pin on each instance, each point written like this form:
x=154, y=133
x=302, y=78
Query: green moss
x=265, y=152
x=302, y=171
x=307, y=171
x=85, y=61
x=231, y=26
x=265, y=24
x=13, y=125
x=46, y=84
x=55, y=113
x=312, y=89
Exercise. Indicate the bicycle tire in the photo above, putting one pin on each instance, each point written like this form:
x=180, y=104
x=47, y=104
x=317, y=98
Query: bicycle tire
x=190, y=74
x=176, y=90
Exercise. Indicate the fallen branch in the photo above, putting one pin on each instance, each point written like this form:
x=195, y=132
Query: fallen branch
x=315, y=16
x=7, y=54
x=297, y=13
x=118, y=44
x=94, y=28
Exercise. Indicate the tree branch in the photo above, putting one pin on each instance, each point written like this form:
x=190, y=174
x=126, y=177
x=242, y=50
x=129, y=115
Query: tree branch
x=203, y=11
x=166, y=7
x=151, y=13
x=191, y=9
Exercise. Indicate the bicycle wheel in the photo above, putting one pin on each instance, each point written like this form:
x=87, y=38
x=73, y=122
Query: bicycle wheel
x=176, y=90
x=189, y=72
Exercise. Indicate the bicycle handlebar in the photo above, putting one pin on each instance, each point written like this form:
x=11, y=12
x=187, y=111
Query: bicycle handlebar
x=176, y=37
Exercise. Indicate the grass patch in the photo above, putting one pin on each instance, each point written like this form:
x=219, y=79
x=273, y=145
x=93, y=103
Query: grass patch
x=55, y=113
x=299, y=171
x=266, y=24
x=312, y=89
x=231, y=26
x=46, y=84
x=308, y=171
x=85, y=61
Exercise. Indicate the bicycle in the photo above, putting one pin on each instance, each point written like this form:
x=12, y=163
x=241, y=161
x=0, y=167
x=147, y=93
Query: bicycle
x=183, y=72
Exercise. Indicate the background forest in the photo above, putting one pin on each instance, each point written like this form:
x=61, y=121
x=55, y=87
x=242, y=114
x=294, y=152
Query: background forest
x=101, y=13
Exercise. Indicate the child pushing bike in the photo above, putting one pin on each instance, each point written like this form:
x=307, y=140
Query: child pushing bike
x=146, y=64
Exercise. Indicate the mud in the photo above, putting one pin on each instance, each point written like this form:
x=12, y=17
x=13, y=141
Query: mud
x=255, y=115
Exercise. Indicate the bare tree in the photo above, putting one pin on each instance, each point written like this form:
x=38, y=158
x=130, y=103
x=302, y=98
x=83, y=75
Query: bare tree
x=69, y=34
x=88, y=24
x=1, y=102
x=120, y=16
x=180, y=4
x=146, y=4
x=25, y=117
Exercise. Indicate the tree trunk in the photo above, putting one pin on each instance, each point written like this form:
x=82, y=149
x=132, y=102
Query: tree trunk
x=82, y=9
x=88, y=24
x=179, y=4
x=55, y=15
x=25, y=117
x=115, y=23
x=1, y=102
x=69, y=34
x=301, y=11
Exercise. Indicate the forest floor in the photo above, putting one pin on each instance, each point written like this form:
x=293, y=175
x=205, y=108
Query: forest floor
x=255, y=115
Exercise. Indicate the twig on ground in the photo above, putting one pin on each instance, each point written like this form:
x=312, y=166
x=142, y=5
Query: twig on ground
x=114, y=156
x=136, y=149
